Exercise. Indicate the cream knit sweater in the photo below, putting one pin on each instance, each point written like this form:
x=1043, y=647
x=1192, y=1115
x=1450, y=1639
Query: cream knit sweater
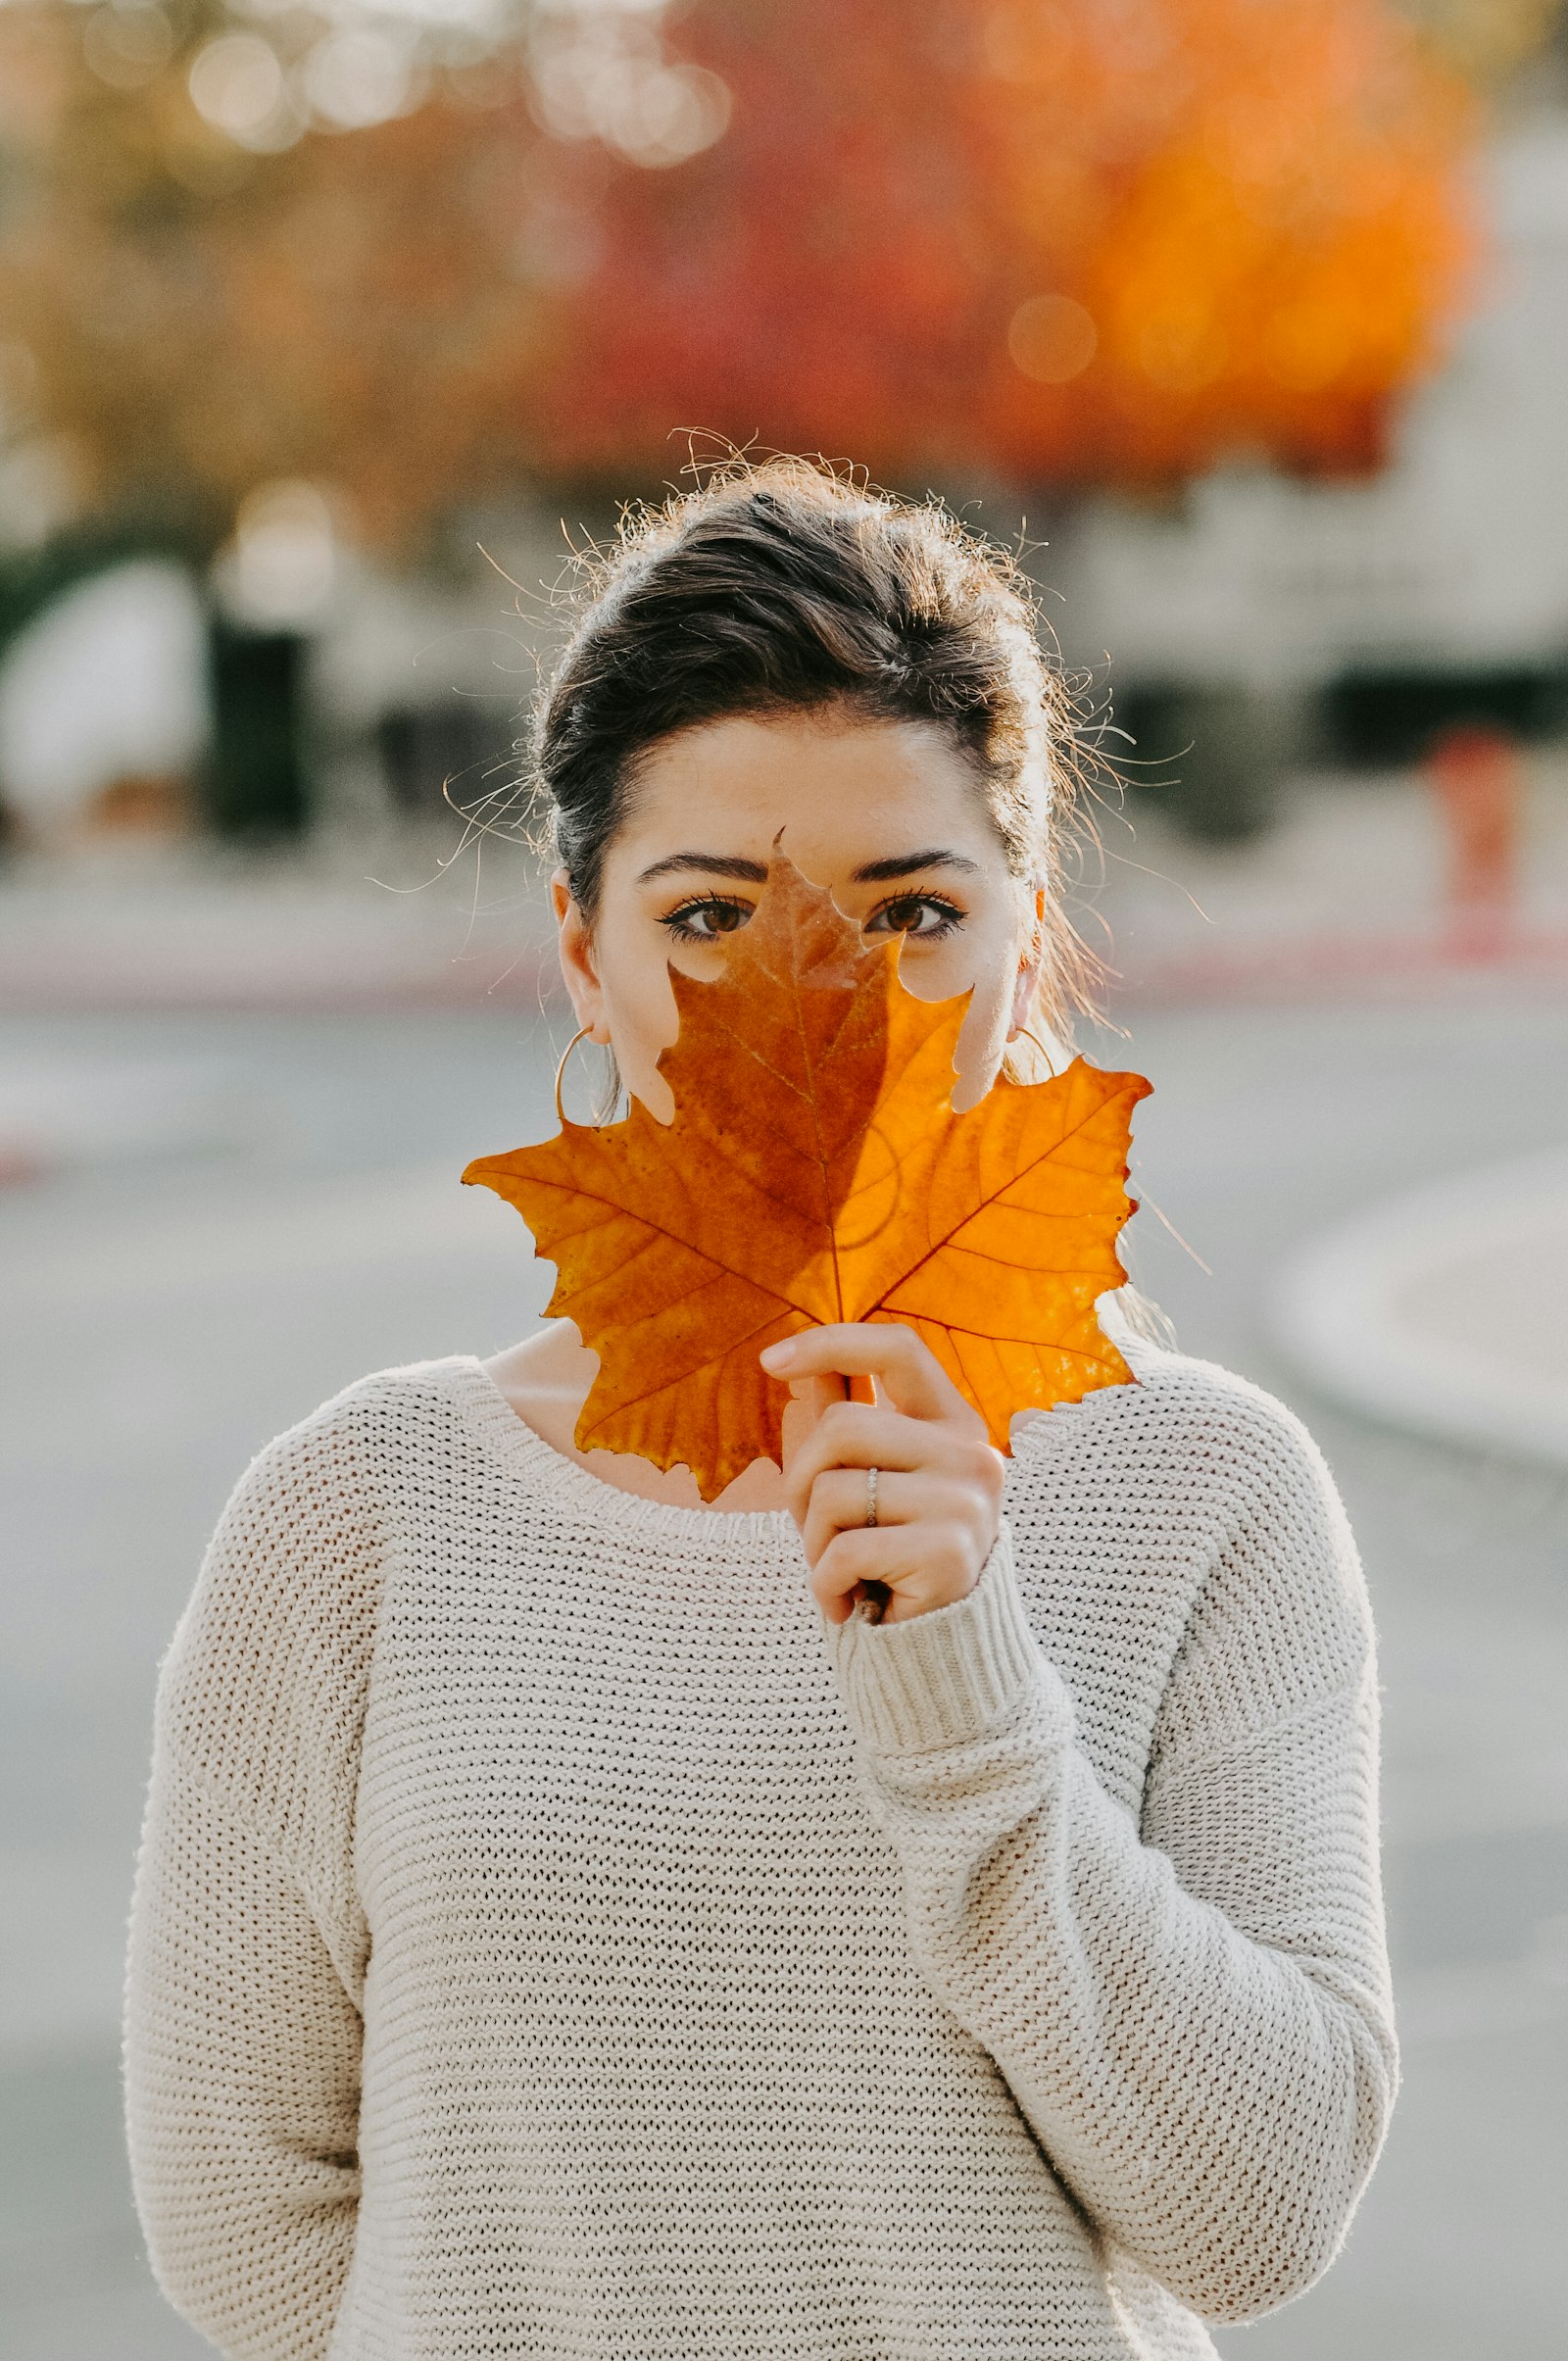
x=552, y=1939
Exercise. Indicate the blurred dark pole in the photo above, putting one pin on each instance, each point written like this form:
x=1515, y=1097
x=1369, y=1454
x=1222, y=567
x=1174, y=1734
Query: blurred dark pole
x=1210, y=757
x=439, y=760
x=257, y=787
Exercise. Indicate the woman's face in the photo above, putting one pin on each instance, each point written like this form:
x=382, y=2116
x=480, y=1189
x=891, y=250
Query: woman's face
x=886, y=815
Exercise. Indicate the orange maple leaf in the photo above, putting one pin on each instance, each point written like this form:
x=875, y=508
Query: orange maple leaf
x=816, y=1171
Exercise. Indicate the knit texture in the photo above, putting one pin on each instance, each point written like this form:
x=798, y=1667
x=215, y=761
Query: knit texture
x=550, y=1938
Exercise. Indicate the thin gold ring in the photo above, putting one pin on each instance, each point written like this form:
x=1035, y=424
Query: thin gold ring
x=871, y=1496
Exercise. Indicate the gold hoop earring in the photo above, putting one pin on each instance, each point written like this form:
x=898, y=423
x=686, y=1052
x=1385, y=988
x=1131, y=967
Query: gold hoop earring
x=1041, y=1047
x=581, y=1034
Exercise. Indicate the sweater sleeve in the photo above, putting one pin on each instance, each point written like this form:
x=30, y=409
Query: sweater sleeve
x=1191, y=2010
x=248, y=1947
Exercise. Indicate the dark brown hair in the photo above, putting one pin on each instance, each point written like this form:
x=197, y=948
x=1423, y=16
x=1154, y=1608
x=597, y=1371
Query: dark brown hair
x=780, y=588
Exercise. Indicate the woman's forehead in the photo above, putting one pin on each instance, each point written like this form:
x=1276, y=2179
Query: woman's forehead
x=845, y=786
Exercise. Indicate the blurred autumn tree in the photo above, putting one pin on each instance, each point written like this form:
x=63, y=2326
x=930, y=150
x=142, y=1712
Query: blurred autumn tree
x=1067, y=241
x=1056, y=240
x=203, y=313
x=200, y=303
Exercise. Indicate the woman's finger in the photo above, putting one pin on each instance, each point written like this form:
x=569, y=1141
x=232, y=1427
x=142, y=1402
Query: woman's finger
x=806, y=1403
x=923, y=1566
x=840, y=1499
x=851, y=1434
x=904, y=1366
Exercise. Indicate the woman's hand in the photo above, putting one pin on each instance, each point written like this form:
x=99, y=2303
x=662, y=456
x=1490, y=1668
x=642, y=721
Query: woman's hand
x=939, y=1480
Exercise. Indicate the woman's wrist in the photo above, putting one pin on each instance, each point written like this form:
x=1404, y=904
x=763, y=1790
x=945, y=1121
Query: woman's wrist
x=948, y=1676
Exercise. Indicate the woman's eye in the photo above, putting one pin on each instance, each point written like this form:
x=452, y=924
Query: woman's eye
x=924, y=915
x=706, y=920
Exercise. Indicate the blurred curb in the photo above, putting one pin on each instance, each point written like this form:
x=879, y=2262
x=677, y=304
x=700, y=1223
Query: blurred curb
x=91, y=939
x=1445, y=1310
x=1312, y=967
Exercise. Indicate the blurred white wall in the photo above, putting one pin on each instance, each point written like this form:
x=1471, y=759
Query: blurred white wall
x=108, y=684
x=1458, y=555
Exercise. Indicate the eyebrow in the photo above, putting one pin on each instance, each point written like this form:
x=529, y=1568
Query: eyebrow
x=905, y=865
x=754, y=873
x=716, y=865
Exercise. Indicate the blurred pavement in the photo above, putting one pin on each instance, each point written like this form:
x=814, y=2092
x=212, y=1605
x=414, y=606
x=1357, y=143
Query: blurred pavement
x=411, y=919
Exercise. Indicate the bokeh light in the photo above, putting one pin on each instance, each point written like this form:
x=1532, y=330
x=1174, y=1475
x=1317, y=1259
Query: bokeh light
x=238, y=85
x=1052, y=339
x=279, y=568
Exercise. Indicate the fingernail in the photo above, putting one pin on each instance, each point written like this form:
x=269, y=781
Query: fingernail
x=777, y=1357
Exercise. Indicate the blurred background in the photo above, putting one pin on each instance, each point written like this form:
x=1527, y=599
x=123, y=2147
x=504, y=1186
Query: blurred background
x=331, y=332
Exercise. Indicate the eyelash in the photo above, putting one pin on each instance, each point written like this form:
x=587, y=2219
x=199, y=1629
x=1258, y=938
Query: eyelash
x=676, y=922
x=949, y=913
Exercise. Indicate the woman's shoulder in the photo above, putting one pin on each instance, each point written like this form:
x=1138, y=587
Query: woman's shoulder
x=295, y=1564
x=352, y=1444
x=1231, y=1435
x=1209, y=1470
x=262, y=1690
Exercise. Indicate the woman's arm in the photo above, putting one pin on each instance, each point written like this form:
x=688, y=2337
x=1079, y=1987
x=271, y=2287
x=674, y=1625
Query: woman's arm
x=247, y=1951
x=242, y=2082
x=1193, y=2012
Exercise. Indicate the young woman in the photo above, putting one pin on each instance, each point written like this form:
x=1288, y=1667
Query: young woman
x=566, y=1924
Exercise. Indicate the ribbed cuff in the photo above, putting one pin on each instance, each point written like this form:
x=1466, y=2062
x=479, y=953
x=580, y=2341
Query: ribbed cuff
x=942, y=1678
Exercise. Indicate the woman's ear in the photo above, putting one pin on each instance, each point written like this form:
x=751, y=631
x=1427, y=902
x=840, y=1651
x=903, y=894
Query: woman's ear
x=1031, y=967
x=574, y=946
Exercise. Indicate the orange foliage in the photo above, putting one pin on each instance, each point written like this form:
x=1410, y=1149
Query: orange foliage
x=815, y=1171
x=1055, y=239
x=206, y=319
x=1079, y=240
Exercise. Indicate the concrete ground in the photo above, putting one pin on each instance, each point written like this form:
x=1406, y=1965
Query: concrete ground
x=176, y=1295
x=1445, y=1308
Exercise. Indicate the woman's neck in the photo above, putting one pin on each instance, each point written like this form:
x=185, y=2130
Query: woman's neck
x=546, y=1380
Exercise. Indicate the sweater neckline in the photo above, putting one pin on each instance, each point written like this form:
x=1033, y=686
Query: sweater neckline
x=587, y=1499
x=590, y=1503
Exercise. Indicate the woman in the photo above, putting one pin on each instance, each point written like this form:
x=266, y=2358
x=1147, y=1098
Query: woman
x=565, y=1925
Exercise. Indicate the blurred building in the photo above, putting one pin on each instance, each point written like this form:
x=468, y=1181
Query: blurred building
x=1250, y=626
x=1263, y=621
